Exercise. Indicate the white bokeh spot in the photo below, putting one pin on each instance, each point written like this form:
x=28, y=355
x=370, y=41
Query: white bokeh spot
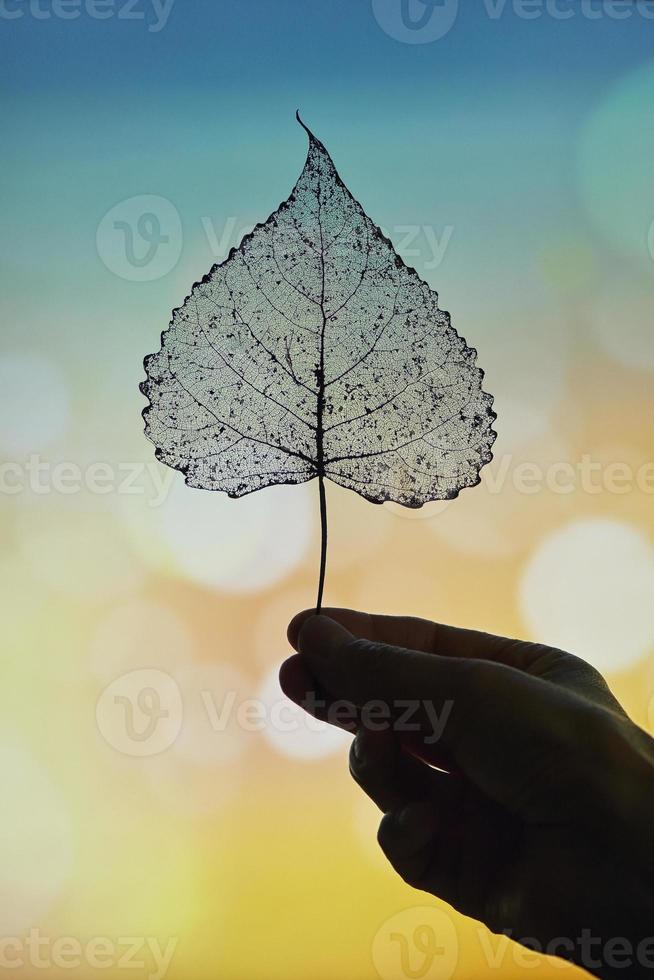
x=589, y=588
x=291, y=731
x=212, y=734
x=615, y=150
x=238, y=546
x=623, y=322
x=34, y=403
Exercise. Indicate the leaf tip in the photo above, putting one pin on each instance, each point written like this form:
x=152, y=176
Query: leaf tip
x=304, y=125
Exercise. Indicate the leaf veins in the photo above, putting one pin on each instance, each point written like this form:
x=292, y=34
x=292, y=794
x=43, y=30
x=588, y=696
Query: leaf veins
x=314, y=351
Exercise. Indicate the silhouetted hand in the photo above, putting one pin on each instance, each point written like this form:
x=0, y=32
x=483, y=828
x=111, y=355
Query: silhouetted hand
x=542, y=825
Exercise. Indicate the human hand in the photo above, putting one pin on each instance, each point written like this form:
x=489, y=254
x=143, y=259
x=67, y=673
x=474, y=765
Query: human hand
x=542, y=824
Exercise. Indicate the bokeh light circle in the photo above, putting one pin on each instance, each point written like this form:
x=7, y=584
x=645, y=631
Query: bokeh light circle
x=357, y=531
x=497, y=518
x=526, y=369
x=623, y=321
x=589, y=588
x=212, y=733
x=238, y=546
x=269, y=629
x=78, y=553
x=614, y=163
x=34, y=403
x=291, y=731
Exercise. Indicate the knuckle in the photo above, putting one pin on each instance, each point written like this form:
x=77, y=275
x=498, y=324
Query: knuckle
x=577, y=668
x=586, y=679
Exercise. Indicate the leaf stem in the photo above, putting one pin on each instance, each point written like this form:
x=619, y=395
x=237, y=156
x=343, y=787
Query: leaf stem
x=323, y=544
x=320, y=411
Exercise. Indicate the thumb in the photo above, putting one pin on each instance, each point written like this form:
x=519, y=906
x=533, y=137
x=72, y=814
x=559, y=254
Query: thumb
x=363, y=671
x=506, y=731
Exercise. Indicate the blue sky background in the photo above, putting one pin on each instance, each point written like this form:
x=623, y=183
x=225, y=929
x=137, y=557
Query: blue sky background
x=477, y=132
x=474, y=130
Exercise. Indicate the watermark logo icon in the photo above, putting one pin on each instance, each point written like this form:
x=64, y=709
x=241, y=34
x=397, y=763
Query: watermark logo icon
x=140, y=714
x=418, y=943
x=416, y=21
x=140, y=239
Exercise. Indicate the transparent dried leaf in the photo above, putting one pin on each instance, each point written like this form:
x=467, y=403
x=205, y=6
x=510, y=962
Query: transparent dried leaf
x=314, y=351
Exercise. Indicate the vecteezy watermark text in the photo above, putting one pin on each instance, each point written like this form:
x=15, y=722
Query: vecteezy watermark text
x=588, y=476
x=422, y=941
x=154, y=14
x=426, y=21
x=562, y=477
x=419, y=243
x=43, y=477
x=140, y=239
x=141, y=713
x=43, y=952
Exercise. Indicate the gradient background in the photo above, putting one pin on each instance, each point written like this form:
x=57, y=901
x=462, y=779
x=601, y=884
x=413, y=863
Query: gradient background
x=524, y=145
